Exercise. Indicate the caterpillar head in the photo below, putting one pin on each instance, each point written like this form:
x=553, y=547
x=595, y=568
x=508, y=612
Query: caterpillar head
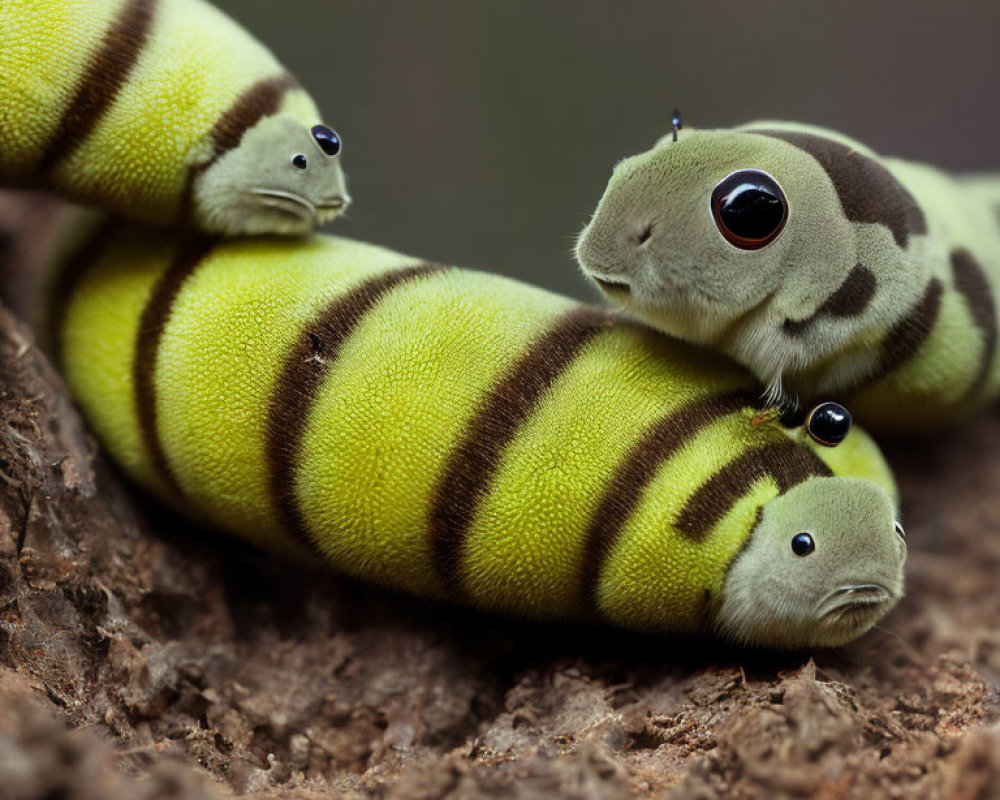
x=281, y=178
x=822, y=566
x=758, y=241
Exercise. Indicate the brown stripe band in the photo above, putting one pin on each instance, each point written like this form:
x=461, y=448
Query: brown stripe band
x=102, y=80
x=307, y=365
x=152, y=324
x=661, y=440
x=908, y=335
x=789, y=464
x=868, y=192
x=71, y=273
x=262, y=99
x=850, y=300
x=504, y=410
x=971, y=281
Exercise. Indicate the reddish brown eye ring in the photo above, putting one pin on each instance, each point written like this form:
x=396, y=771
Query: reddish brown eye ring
x=749, y=209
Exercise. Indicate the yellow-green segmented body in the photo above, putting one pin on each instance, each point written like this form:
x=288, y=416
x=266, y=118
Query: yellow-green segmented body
x=129, y=104
x=879, y=286
x=442, y=431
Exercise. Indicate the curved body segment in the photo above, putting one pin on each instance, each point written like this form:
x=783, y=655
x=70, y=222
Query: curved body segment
x=826, y=269
x=463, y=436
x=164, y=111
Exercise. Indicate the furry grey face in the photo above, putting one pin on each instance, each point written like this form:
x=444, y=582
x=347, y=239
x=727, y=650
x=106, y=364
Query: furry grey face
x=680, y=241
x=282, y=178
x=823, y=566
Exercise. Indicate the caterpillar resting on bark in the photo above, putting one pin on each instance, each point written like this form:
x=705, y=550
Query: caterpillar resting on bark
x=823, y=267
x=467, y=437
x=164, y=111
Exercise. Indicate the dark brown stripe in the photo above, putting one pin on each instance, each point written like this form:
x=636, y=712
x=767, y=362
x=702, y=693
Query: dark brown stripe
x=263, y=99
x=306, y=367
x=868, y=191
x=850, y=300
x=970, y=280
x=787, y=463
x=152, y=323
x=908, y=335
x=636, y=471
x=509, y=403
x=71, y=273
x=102, y=80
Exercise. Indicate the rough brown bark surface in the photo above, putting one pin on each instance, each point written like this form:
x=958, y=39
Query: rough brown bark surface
x=141, y=657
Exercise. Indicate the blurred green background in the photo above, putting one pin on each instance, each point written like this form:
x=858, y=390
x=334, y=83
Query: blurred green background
x=481, y=132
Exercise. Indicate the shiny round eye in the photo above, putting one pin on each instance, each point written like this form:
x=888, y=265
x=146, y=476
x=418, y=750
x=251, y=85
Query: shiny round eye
x=300, y=161
x=828, y=424
x=899, y=530
x=749, y=209
x=803, y=544
x=327, y=139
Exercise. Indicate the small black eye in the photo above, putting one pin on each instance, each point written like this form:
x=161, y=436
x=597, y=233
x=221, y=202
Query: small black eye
x=803, y=544
x=749, y=209
x=327, y=139
x=300, y=161
x=828, y=424
x=900, y=531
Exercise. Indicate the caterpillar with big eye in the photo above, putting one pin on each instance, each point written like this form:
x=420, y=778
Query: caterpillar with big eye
x=466, y=437
x=164, y=111
x=823, y=267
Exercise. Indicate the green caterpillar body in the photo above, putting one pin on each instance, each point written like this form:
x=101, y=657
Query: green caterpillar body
x=164, y=111
x=821, y=266
x=467, y=437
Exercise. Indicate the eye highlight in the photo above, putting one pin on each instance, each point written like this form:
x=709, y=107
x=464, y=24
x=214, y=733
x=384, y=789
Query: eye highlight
x=828, y=424
x=803, y=544
x=749, y=209
x=327, y=139
x=899, y=530
x=300, y=161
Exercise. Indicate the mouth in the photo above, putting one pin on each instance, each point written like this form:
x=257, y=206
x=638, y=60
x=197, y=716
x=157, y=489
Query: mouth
x=331, y=209
x=612, y=287
x=855, y=605
x=295, y=205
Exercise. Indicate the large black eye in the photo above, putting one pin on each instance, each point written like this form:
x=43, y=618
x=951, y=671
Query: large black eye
x=749, y=209
x=327, y=139
x=899, y=530
x=300, y=161
x=828, y=424
x=803, y=544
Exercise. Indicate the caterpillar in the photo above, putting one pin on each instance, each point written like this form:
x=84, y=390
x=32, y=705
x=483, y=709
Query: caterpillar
x=824, y=268
x=164, y=111
x=466, y=437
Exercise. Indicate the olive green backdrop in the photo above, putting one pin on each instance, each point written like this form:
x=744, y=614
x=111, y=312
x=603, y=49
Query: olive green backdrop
x=482, y=132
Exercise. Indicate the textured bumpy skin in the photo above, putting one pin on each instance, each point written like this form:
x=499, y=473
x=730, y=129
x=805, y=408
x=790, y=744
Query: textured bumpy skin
x=164, y=111
x=467, y=437
x=881, y=289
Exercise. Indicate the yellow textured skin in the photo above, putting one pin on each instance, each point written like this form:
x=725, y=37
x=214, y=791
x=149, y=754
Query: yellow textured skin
x=43, y=52
x=401, y=392
x=167, y=87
